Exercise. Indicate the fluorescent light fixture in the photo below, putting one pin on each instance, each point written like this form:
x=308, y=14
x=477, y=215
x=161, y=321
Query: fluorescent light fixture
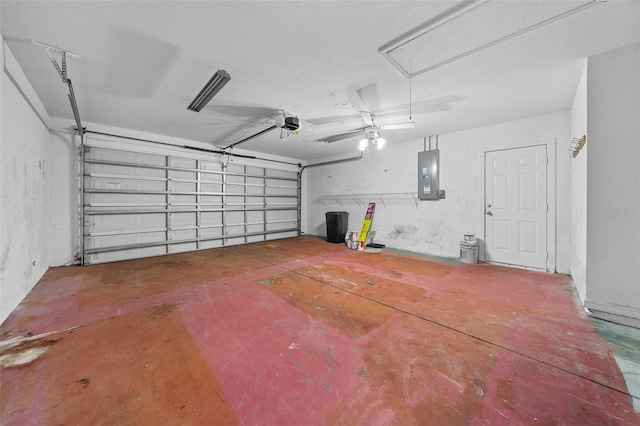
x=217, y=82
x=470, y=27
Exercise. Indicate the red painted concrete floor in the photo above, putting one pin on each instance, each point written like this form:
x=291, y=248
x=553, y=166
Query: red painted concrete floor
x=304, y=332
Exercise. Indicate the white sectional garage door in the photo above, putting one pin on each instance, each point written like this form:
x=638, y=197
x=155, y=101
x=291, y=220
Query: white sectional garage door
x=140, y=204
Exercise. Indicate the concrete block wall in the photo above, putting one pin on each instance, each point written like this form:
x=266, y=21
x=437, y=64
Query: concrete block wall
x=24, y=170
x=578, y=262
x=389, y=178
x=64, y=197
x=613, y=185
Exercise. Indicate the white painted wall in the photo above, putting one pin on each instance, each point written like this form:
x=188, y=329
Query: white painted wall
x=64, y=198
x=389, y=178
x=24, y=170
x=613, y=185
x=578, y=264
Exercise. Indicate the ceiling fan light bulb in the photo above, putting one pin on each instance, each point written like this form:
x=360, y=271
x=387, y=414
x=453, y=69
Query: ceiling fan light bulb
x=381, y=142
x=364, y=144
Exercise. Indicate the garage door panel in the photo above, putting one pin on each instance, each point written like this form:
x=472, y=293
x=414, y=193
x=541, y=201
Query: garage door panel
x=234, y=218
x=183, y=200
x=279, y=226
x=154, y=199
x=210, y=218
x=279, y=235
x=139, y=204
x=211, y=232
x=235, y=168
x=257, y=202
x=150, y=221
x=233, y=230
x=255, y=216
x=211, y=187
x=107, y=223
x=183, y=219
x=183, y=186
x=235, y=200
x=146, y=185
x=177, y=176
x=214, y=177
x=179, y=248
x=211, y=244
x=211, y=200
x=182, y=234
x=278, y=200
x=125, y=223
x=254, y=228
x=234, y=188
x=235, y=241
x=281, y=215
x=256, y=190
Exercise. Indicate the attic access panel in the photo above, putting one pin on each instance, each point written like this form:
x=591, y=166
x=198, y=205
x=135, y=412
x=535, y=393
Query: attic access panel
x=471, y=27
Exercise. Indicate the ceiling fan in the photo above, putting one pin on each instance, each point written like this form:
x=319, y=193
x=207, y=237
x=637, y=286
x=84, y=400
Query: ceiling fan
x=370, y=132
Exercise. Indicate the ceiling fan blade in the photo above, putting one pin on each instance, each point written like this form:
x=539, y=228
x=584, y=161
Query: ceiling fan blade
x=342, y=136
x=367, y=118
x=398, y=126
x=333, y=120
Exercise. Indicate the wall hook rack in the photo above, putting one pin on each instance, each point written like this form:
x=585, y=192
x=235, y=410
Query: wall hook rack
x=576, y=145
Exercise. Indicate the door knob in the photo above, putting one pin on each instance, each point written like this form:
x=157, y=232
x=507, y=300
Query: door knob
x=489, y=205
x=489, y=213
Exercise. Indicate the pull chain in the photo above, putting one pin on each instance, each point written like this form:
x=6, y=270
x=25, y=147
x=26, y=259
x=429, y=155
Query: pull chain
x=410, y=77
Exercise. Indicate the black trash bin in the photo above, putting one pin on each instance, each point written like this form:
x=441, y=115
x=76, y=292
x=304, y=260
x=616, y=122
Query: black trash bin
x=337, y=224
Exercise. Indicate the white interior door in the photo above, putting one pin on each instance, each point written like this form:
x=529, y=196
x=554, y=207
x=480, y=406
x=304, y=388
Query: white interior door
x=516, y=206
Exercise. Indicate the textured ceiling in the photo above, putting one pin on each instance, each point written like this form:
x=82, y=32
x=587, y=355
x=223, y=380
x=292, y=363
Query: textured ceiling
x=143, y=62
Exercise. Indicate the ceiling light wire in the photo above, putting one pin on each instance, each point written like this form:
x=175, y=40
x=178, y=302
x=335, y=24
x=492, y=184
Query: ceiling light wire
x=410, y=78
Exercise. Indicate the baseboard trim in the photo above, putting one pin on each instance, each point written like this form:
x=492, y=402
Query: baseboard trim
x=619, y=314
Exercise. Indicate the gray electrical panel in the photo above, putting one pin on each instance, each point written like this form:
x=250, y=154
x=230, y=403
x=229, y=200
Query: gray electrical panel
x=428, y=185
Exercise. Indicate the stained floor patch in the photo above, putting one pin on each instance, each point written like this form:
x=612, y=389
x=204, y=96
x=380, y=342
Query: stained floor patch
x=150, y=373
x=283, y=251
x=397, y=263
x=444, y=304
x=338, y=309
x=414, y=373
x=145, y=277
x=23, y=352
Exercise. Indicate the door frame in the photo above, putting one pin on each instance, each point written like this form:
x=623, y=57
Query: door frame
x=551, y=145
